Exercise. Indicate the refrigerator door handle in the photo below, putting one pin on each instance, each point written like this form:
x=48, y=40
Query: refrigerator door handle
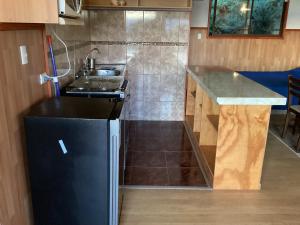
x=114, y=170
x=62, y=146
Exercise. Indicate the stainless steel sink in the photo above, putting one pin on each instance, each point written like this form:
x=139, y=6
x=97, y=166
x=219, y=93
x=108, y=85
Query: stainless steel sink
x=103, y=70
x=106, y=72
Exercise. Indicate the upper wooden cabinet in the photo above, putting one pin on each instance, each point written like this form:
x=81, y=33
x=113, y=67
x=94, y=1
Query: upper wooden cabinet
x=142, y=4
x=29, y=11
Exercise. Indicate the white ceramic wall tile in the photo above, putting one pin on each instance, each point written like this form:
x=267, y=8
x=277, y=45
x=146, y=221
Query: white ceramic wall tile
x=117, y=54
x=167, y=110
x=156, y=71
x=152, y=59
x=135, y=59
x=99, y=25
x=136, y=110
x=184, y=27
x=101, y=58
x=168, y=88
x=180, y=88
x=135, y=25
x=182, y=59
x=179, y=114
x=116, y=26
x=152, y=26
x=136, y=87
x=170, y=26
x=151, y=88
x=152, y=110
x=169, y=58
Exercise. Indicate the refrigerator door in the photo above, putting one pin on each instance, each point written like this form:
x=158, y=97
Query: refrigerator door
x=69, y=170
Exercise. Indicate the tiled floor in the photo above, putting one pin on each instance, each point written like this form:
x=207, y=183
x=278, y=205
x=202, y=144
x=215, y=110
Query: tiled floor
x=160, y=154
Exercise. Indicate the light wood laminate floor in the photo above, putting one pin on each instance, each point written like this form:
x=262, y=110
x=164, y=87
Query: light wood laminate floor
x=277, y=204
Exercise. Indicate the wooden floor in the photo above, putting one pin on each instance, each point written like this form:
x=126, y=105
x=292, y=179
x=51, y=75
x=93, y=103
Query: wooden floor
x=277, y=204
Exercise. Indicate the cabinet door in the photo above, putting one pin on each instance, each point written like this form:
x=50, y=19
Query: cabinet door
x=29, y=11
x=165, y=3
x=108, y=3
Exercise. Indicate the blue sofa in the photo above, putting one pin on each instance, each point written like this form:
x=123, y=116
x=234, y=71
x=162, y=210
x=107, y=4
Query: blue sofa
x=276, y=81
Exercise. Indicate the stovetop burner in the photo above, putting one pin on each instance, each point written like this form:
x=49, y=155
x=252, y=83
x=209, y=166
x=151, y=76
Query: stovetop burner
x=98, y=86
x=95, y=84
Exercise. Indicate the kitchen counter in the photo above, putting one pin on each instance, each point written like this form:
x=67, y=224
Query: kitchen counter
x=227, y=119
x=227, y=87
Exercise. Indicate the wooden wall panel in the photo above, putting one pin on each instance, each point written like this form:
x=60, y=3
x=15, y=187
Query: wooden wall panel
x=246, y=54
x=19, y=89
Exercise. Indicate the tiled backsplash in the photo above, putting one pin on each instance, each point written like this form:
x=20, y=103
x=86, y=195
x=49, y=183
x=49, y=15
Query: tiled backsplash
x=77, y=39
x=154, y=44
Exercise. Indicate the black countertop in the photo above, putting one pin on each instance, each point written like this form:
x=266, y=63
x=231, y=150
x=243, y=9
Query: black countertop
x=84, y=108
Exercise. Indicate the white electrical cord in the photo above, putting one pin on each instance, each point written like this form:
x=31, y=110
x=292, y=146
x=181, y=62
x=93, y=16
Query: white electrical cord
x=79, y=6
x=67, y=54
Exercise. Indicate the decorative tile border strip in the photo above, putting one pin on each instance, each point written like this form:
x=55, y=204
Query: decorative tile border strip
x=74, y=44
x=140, y=43
x=86, y=43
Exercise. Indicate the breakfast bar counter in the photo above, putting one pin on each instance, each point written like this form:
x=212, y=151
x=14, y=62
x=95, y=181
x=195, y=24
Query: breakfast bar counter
x=227, y=119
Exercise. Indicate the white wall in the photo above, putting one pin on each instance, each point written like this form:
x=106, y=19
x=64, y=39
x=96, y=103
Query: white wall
x=200, y=13
x=293, y=21
x=201, y=8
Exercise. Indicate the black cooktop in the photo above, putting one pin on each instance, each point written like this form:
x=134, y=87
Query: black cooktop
x=95, y=84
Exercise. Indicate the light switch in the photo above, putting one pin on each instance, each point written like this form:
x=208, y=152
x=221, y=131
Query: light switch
x=23, y=53
x=199, y=36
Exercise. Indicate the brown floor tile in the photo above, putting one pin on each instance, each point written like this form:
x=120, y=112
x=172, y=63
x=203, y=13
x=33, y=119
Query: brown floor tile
x=181, y=159
x=177, y=143
x=160, y=153
x=189, y=176
x=146, y=159
x=145, y=144
x=146, y=176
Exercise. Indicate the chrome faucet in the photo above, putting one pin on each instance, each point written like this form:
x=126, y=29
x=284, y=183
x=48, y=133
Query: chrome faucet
x=91, y=64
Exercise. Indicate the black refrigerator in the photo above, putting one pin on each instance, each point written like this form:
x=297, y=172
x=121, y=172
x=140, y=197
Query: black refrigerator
x=76, y=161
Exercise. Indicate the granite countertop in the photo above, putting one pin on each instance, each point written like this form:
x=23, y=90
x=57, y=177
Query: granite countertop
x=227, y=87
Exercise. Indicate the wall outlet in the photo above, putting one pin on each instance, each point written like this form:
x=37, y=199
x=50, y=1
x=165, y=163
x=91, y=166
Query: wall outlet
x=199, y=36
x=43, y=80
x=23, y=54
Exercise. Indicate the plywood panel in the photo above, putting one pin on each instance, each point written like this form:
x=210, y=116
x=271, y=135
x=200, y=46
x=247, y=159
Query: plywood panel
x=165, y=3
x=108, y=3
x=241, y=146
x=190, y=96
x=198, y=109
x=29, y=11
x=246, y=54
x=208, y=133
x=19, y=89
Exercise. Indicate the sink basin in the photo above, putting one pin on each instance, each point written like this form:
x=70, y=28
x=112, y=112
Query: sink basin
x=106, y=72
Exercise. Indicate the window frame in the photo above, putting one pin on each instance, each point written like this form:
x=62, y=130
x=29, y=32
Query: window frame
x=251, y=36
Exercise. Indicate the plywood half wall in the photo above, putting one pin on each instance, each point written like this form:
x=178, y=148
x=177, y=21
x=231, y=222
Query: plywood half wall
x=246, y=53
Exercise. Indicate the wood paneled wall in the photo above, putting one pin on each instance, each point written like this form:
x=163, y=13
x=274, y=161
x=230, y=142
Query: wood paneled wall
x=246, y=54
x=19, y=89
